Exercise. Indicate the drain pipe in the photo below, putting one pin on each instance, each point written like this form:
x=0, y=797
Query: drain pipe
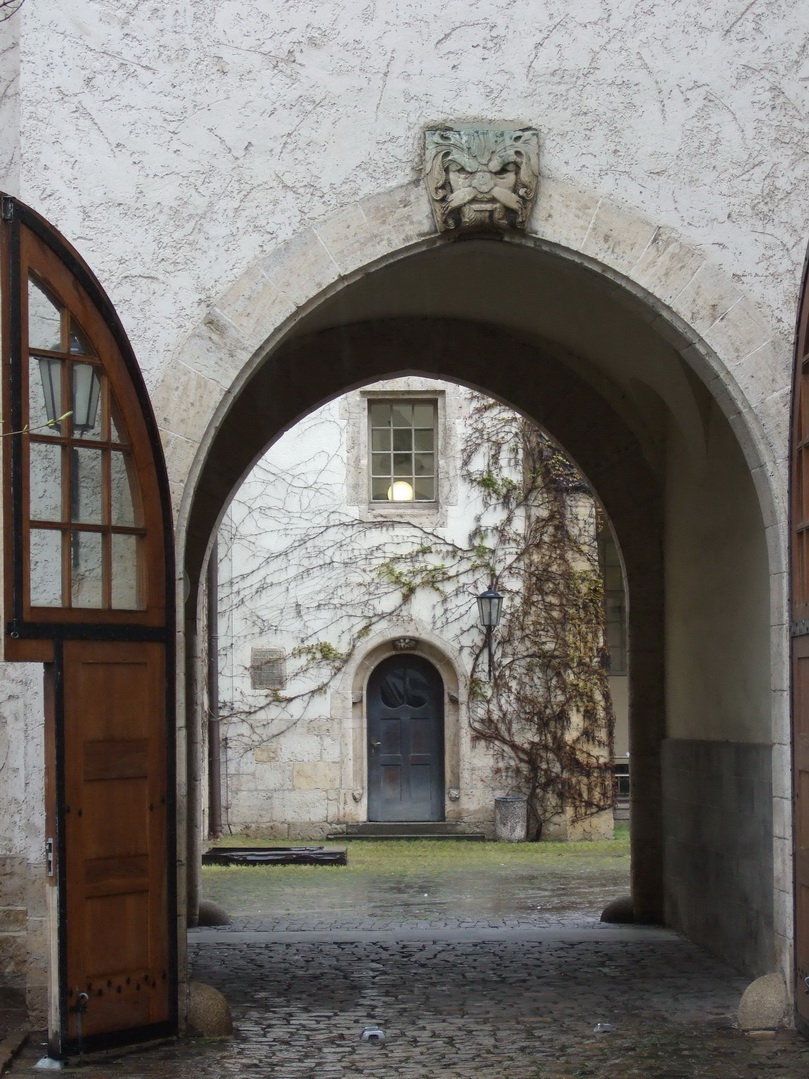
x=214, y=750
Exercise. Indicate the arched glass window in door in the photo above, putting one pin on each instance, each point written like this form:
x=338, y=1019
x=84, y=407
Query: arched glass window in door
x=86, y=520
x=89, y=541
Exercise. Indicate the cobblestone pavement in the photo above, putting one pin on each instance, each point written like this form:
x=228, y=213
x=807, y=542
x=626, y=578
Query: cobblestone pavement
x=462, y=1003
x=498, y=975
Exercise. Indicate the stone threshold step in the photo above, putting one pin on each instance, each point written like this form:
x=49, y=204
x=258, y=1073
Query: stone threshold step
x=423, y=827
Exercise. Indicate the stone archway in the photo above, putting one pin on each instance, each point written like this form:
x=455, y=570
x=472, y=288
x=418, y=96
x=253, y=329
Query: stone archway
x=677, y=376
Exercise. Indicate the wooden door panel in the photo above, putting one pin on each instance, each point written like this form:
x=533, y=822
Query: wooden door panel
x=115, y=799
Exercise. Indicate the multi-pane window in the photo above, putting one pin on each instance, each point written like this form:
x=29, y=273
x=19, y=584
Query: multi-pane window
x=86, y=523
x=402, y=436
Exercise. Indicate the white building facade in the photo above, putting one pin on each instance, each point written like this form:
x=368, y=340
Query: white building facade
x=366, y=533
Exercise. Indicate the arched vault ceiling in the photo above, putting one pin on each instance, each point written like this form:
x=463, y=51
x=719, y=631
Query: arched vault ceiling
x=315, y=367
x=586, y=320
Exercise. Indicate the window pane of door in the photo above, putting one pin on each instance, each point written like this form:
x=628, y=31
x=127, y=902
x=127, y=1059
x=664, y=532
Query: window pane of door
x=46, y=568
x=78, y=341
x=45, y=395
x=122, y=488
x=85, y=396
x=86, y=569
x=87, y=487
x=126, y=591
x=46, y=482
x=44, y=319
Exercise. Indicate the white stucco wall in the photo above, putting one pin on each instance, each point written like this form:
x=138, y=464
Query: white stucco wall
x=10, y=105
x=174, y=143
x=22, y=762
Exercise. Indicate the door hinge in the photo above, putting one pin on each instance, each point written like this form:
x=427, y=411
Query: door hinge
x=8, y=208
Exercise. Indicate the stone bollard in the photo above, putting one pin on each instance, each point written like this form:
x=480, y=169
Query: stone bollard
x=511, y=818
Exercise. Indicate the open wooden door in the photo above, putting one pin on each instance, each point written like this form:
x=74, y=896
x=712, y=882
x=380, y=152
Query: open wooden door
x=88, y=572
x=800, y=654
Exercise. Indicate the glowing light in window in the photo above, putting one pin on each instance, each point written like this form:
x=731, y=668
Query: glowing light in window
x=400, y=491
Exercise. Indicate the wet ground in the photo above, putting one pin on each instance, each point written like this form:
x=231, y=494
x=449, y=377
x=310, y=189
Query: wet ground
x=487, y=965
x=393, y=883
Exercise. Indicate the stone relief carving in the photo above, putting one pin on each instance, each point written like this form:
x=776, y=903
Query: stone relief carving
x=405, y=644
x=482, y=178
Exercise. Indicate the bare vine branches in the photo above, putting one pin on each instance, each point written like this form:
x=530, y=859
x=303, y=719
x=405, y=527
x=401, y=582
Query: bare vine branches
x=548, y=707
x=9, y=8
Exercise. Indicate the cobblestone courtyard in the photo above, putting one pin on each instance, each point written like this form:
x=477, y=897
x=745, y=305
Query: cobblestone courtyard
x=459, y=992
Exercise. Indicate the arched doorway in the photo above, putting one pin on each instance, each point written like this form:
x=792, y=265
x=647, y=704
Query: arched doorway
x=669, y=444
x=405, y=736
x=635, y=403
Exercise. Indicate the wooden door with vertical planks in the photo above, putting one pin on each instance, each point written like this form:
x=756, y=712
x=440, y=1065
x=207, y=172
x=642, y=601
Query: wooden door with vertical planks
x=88, y=570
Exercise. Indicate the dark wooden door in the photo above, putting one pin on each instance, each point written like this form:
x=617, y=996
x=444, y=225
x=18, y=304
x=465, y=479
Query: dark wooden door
x=800, y=654
x=405, y=709
x=88, y=569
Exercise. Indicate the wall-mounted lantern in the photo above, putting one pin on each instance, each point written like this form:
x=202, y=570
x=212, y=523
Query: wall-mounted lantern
x=86, y=392
x=490, y=605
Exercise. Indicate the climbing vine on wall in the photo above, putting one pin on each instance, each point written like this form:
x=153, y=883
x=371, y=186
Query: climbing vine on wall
x=9, y=8
x=330, y=581
x=547, y=707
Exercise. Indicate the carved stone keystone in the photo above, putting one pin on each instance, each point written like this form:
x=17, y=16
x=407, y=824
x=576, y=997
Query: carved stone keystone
x=482, y=179
x=405, y=644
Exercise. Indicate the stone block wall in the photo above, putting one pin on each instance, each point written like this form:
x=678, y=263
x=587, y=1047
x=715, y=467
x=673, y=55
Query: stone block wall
x=23, y=934
x=717, y=811
x=13, y=922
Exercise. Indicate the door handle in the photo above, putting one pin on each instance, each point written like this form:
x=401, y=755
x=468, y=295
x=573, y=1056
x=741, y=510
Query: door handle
x=374, y=745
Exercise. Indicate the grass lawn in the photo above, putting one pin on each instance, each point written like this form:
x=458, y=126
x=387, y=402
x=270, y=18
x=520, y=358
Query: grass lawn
x=422, y=879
